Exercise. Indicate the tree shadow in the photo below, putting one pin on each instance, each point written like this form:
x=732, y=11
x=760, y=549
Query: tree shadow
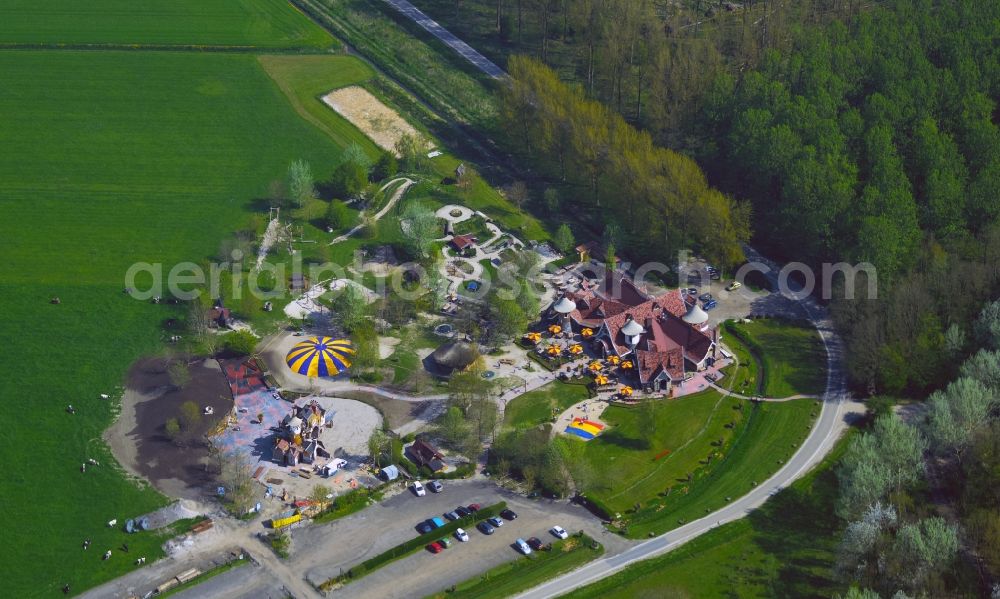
x=615, y=437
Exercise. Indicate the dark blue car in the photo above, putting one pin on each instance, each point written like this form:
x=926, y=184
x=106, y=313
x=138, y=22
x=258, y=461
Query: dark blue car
x=709, y=304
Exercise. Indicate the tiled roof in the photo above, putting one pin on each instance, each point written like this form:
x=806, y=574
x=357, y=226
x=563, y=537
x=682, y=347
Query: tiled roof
x=651, y=363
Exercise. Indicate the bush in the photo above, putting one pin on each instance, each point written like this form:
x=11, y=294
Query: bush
x=190, y=415
x=172, y=428
x=241, y=342
x=385, y=167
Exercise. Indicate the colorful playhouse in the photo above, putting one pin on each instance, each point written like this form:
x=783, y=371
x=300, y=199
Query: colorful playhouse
x=585, y=429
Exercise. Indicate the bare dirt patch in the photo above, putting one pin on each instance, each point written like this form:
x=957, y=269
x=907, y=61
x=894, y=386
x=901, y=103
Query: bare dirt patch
x=139, y=441
x=376, y=120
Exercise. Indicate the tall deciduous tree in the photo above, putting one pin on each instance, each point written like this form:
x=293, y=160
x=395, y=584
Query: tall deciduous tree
x=301, y=185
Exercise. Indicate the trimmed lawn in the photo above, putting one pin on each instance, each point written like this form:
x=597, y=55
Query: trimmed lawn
x=249, y=23
x=153, y=156
x=771, y=434
x=791, y=354
x=742, y=378
x=525, y=572
x=541, y=405
x=629, y=469
x=786, y=548
x=306, y=79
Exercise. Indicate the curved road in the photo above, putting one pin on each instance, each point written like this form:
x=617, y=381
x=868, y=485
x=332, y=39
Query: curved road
x=829, y=426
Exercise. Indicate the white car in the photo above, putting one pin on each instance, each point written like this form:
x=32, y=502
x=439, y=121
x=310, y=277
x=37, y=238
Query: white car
x=419, y=489
x=461, y=535
x=734, y=286
x=559, y=531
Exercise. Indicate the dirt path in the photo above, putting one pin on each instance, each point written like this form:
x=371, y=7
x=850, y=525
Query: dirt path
x=392, y=202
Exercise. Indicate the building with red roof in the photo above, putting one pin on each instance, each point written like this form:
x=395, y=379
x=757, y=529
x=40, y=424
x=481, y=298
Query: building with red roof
x=650, y=331
x=460, y=242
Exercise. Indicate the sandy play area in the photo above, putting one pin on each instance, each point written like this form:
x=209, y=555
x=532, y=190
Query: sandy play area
x=376, y=120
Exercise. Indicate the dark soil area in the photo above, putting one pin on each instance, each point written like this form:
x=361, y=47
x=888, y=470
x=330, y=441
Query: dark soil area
x=180, y=467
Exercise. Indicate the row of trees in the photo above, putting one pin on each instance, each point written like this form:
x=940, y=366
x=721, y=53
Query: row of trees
x=895, y=538
x=659, y=198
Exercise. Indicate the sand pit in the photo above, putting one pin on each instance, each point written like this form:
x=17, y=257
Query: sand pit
x=376, y=120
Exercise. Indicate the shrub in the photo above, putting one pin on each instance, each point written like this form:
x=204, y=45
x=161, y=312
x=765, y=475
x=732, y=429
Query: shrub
x=172, y=428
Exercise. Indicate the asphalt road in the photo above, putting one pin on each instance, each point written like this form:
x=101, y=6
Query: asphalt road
x=322, y=552
x=468, y=52
x=829, y=426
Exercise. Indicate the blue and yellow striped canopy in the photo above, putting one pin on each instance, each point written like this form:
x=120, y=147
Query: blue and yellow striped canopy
x=320, y=356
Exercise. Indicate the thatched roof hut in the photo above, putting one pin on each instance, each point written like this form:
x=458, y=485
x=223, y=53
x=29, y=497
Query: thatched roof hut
x=455, y=355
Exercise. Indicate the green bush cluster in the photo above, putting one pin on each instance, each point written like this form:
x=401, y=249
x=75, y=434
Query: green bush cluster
x=350, y=502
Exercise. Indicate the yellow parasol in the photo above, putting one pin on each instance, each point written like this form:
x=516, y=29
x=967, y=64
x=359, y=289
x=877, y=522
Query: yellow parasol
x=614, y=360
x=626, y=391
x=595, y=366
x=533, y=337
x=627, y=364
x=576, y=349
x=555, y=329
x=587, y=333
x=601, y=379
x=554, y=350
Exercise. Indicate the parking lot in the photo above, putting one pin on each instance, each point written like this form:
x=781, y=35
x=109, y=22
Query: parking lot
x=327, y=550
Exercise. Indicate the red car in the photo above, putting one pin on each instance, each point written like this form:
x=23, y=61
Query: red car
x=474, y=507
x=535, y=543
x=435, y=547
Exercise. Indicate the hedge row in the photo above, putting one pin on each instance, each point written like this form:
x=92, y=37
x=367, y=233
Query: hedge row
x=350, y=502
x=414, y=544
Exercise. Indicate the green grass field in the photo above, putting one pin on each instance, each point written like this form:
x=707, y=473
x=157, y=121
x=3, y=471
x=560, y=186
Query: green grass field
x=771, y=434
x=787, y=548
x=631, y=470
x=791, y=354
x=110, y=158
x=526, y=572
x=247, y=23
x=539, y=406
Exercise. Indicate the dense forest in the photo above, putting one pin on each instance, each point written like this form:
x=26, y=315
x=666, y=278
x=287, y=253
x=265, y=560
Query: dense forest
x=860, y=132
x=836, y=131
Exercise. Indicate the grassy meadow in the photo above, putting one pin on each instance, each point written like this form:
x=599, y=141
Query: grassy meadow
x=785, y=548
x=541, y=405
x=110, y=158
x=791, y=355
x=245, y=23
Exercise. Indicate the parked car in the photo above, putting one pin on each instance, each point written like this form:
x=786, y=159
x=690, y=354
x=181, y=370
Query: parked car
x=434, y=547
x=462, y=511
x=485, y=528
x=509, y=514
x=419, y=488
x=692, y=290
x=715, y=276
x=709, y=304
x=734, y=286
x=461, y=535
x=474, y=507
x=435, y=486
x=705, y=297
x=437, y=522
x=452, y=515
x=535, y=543
x=559, y=531
x=522, y=546
x=425, y=527
x=444, y=542
x=494, y=521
